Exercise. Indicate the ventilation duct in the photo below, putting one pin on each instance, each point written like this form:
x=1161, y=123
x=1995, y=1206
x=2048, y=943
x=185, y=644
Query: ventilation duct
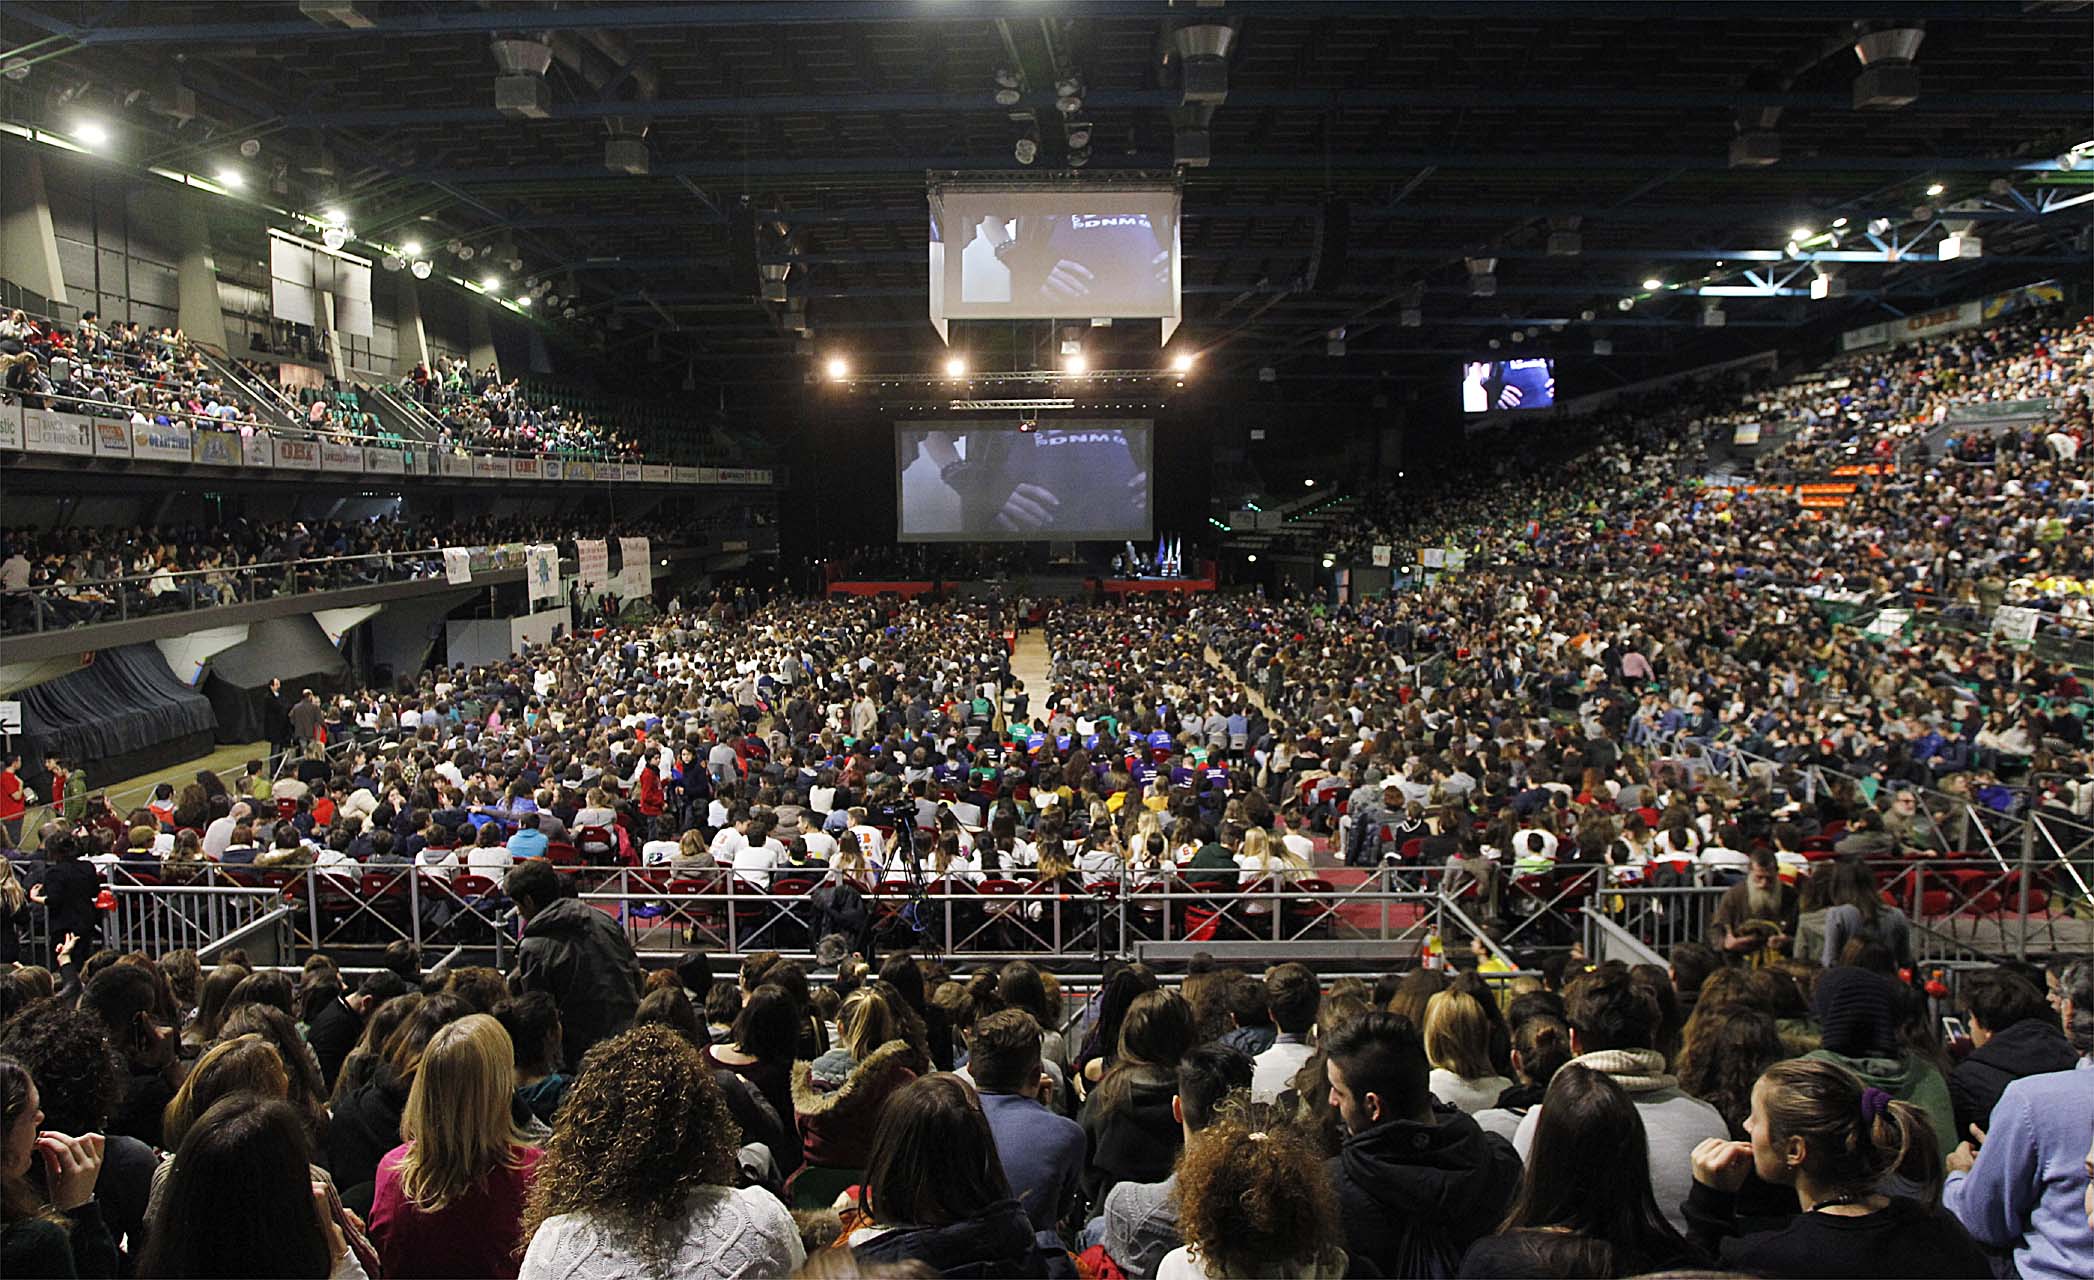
x=520, y=91
x=1204, y=74
x=1888, y=80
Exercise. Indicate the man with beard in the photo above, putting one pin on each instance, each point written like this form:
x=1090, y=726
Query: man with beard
x=1757, y=913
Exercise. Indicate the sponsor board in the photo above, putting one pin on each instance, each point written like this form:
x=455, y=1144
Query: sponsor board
x=112, y=439
x=340, y=457
x=216, y=449
x=385, y=462
x=298, y=455
x=490, y=468
x=46, y=432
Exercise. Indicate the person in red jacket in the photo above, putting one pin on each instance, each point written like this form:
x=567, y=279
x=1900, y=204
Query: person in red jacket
x=650, y=796
x=14, y=799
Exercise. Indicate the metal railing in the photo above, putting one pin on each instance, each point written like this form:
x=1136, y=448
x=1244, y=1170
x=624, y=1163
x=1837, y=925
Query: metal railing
x=151, y=595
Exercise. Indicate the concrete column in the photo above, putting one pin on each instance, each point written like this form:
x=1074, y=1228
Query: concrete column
x=201, y=314
x=337, y=361
x=412, y=342
x=28, y=245
x=479, y=338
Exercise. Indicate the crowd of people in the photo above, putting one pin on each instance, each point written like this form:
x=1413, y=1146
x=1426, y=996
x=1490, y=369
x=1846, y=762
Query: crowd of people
x=478, y=410
x=582, y=1116
x=147, y=373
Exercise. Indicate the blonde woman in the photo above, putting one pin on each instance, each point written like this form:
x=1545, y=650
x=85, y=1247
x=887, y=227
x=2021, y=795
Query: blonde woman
x=1262, y=857
x=1458, y=1045
x=450, y=1199
x=850, y=863
x=14, y=913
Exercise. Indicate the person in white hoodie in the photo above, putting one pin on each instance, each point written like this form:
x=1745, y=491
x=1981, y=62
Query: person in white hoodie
x=1613, y=1025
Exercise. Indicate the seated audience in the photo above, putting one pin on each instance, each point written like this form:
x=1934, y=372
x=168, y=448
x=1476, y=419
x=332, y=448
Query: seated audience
x=1253, y=1203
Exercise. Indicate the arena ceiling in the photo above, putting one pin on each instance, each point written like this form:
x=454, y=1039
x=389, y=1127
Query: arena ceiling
x=1446, y=132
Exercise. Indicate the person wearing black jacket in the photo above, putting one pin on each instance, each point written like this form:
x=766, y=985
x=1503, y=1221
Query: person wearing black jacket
x=576, y=954
x=67, y=892
x=2016, y=1035
x=1418, y=1183
x=1817, y=1127
x=335, y=1027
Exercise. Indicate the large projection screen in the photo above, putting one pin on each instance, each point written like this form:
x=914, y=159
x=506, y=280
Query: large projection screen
x=1043, y=253
x=997, y=482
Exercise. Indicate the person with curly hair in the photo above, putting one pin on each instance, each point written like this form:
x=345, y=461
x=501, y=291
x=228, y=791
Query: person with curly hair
x=79, y=1080
x=1253, y=1202
x=57, y=1230
x=638, y=1177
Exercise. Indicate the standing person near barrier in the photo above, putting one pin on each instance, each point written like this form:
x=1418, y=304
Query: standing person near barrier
x=576, y=954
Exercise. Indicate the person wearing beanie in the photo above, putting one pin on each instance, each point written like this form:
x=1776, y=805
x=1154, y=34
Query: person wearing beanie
x=1858, y=1018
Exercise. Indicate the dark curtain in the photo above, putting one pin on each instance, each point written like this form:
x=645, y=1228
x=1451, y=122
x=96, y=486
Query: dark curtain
x=124, y=707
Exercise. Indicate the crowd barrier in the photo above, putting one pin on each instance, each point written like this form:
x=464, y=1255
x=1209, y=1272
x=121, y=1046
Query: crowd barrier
x=1964, y=909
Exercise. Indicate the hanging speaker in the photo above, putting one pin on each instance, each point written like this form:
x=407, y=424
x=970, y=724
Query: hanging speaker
x=1327, y=251
x=741, y=250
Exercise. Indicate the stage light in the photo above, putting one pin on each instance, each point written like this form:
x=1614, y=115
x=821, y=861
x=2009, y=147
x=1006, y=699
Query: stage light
x=1076, y=363
x=1800, y=233
x=1839, y=222
x=1329, y=563
x=92, y=132
x=336, y=217
x=231, y=179
x=393, y=262
x=956, y=366
x=1626, y=304
x=523, y=300
x=1025, y=150
x=839, y=368
x=420, y=268
x=1308, y=484
x=1252, y=557
x=413, y=248
x=1182, y=362
x=489, y=284
x=1652, y=282
x=1935, y=189
x=335, y=237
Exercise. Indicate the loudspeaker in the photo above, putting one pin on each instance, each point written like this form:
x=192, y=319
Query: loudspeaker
x=1327, y=250
x=741, y=250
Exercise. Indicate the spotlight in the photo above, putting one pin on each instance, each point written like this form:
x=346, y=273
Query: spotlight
x=1877, y=226
x=1329, y=563
x=1252, y=557
x=1080, y=135
x=1309, y=483
x=1076, y=363
x=1800, y=233
x=1068, y=87
x=466, y=252
x=1026, y=150
x=1006, y=77
x=231, y=179
x=1935, y=189
x=1008, y=97
x=1182, y=362
x=393, y=262
x=420, y=268
x=1839, y=222
x=1651, y=282
x=488, y=284
x=839, y=368
x=92, y=132
x=523, y=300
x=251, y=147
x=335, y=237
x=956, y=366
x=336, y=217
x=1626, y=304
x=413, y=248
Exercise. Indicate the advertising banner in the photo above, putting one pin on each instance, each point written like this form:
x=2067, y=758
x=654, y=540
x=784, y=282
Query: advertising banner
x=542, y=572
x=112, y=438
x=552, y=468
x=340, y=457
x=1383, y=553
x=653, y=474
x=457, y=465
x=217, y=449
x=298, y=455
x=684, y=475
x=259, y=451
x=46, y=432
x=490, y=468
x=10, y=426
x=524, y=469
x=385, y=462
x=2001, y=413
x=2015, y=625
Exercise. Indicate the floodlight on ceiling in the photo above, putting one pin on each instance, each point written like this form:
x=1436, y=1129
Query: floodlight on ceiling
x=92, y=132
x=1936, y=189
x=231, y=179
x=1079, y=157
x=420, y=268
x=392, y=262
x=335, y=237
x=956, y=366
x=1007, y=77
x=1026, y=150
x=413, y=248
x=490, y=283
x=1079, y=135
x=839, y=368
x=1008, y=97
x=250, y=147
x=1652, y=282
